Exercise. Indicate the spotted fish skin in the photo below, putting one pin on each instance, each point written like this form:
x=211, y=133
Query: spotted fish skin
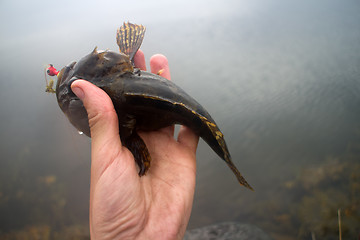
x=143, y=102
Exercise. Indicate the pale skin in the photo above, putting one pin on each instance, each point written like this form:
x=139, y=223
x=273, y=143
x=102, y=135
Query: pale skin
x=122, y=204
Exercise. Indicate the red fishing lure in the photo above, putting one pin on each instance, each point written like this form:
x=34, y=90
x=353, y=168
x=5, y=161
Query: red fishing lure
x=51, y=71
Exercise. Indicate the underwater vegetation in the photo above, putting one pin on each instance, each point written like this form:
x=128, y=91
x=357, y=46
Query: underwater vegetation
x=305, y=206
x=45, y=232
x=311, y=205
x=335, y=187
x=35, y=207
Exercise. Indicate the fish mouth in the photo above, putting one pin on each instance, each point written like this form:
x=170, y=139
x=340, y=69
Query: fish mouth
x=72, y=106
x=64, y=94
x=64, y=74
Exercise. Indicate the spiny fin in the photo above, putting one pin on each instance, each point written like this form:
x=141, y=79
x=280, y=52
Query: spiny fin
x=129, y=38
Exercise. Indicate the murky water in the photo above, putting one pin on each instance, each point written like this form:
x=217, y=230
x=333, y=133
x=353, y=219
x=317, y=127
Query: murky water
x=280, y=78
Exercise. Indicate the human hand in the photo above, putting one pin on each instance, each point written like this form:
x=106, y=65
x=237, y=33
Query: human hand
x=122, y=204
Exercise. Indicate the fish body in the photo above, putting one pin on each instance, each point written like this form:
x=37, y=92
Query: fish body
x=142, y=100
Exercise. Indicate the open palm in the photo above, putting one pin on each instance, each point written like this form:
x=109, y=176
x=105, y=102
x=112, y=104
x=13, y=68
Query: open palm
x=122, y=204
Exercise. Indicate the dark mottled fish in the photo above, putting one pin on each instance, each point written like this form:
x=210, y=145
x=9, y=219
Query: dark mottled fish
x=143, y=101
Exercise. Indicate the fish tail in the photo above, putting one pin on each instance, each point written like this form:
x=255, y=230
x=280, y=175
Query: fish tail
x=222, y=150
x=238, y=175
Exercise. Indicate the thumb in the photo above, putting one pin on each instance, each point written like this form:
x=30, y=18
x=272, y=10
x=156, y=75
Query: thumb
x=103, y=120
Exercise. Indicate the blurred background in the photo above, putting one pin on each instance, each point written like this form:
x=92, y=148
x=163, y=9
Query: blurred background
x=281, y=78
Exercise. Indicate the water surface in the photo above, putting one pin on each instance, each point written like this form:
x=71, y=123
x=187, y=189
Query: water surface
x=281, y=78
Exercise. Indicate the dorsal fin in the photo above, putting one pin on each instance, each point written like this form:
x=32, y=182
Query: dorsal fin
x=129, y=38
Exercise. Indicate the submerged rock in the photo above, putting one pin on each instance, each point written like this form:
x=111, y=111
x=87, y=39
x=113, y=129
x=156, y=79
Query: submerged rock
x=227, y=231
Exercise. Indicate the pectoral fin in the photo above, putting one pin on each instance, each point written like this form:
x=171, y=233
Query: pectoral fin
x=134, y=143
x=140, y=152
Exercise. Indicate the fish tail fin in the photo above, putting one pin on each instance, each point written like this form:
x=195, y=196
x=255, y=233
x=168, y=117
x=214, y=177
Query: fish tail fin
x=129, y=38
x=213, y=135
x=238, y=175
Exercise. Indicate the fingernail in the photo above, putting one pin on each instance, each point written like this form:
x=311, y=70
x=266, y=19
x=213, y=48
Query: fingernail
x=78, y=92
